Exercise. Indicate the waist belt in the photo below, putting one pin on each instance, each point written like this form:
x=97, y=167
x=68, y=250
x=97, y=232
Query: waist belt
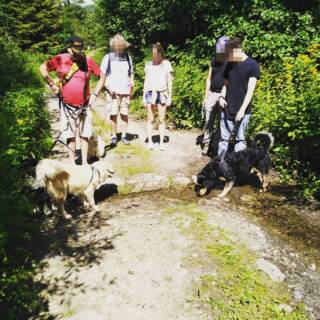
x=74, y=113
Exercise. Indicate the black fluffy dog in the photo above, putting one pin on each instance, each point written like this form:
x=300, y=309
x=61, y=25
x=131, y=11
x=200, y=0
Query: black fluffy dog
x=235, y=164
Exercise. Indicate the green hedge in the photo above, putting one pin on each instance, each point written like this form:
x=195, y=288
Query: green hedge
x=287, y=103
x=24, y=139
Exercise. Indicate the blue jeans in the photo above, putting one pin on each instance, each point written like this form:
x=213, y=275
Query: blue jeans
x=225, y=134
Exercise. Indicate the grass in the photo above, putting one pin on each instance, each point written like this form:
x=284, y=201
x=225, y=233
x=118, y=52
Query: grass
x=125, y=189
x=68, y=313
x=136, y=108
x=133, y=159
x=236, y=289
x=103, y=125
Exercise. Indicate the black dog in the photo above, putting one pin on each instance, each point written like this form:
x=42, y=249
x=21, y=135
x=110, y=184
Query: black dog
x=235, y=164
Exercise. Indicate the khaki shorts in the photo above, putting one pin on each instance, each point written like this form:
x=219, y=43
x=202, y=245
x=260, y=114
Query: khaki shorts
x=72, y=127
x=119, y=103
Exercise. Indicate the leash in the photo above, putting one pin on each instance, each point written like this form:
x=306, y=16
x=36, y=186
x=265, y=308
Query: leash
x=103, y=122
x=232, y=132
x=74, y=114
x=92, y=174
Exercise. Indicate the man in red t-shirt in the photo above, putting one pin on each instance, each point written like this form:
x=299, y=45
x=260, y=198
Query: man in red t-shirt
x=74, y=70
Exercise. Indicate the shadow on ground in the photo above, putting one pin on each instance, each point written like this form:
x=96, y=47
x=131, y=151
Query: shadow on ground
x=56, y=237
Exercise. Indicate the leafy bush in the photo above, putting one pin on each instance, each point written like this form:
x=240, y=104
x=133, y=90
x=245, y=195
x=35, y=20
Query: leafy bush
x=24, y=138
x=287, y=103
x=188, y=91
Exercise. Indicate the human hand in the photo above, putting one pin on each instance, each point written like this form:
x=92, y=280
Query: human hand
x=239, y=115
x=92, y=100
x=222, y=102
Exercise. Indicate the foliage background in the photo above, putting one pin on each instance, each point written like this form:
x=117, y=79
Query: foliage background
x=282, y=35
x=24, y=139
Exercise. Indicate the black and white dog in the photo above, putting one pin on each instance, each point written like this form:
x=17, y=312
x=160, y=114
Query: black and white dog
x=229, y=167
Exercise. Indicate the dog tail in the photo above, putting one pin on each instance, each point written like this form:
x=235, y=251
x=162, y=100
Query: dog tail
x=263, y=139
x=45, y=169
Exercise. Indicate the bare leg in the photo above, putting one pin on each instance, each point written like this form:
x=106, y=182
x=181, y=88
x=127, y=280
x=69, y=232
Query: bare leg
x=71, y=143
x=124, y=125
x=84, y=149
x=114, y=119
x=162, y=122
x=228, y=186
x=150, y=120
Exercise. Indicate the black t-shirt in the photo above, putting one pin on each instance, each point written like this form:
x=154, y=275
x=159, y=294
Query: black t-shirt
x=217, y=72
x=238, y=74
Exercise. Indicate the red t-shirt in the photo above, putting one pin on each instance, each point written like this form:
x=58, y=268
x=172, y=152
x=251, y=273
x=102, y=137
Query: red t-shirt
x=72, y=91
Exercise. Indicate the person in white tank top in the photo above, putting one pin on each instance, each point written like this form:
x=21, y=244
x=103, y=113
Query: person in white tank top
x=157, y=91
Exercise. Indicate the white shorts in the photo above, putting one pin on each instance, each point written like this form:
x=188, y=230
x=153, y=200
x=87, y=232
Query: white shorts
x=119, y=103
x=73, y=126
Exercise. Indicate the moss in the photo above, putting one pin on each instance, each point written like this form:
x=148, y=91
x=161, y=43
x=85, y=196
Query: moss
x=236, y=289
x=134, y=159
x=68, y=313
x=125, y=189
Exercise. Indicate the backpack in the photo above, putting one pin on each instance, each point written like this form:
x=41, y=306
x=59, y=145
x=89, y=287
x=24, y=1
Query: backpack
x=129, y=64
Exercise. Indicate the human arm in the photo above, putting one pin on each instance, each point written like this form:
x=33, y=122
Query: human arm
x=222, y=98
x=99, y=87
x=45, y=74
x=251, y=86
x=169, y=82
x=208, y=84
x=131, y=84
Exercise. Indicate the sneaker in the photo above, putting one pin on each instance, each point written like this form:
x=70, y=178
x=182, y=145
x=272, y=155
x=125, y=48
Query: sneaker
x=114, y=141
x=162, y=147
x=205, y=149
x=150, y=145
x=125, y=141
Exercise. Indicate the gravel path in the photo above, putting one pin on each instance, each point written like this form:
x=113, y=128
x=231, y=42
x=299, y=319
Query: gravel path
x=132, y=260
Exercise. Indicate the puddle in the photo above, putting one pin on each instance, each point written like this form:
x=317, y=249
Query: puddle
x=296, y=225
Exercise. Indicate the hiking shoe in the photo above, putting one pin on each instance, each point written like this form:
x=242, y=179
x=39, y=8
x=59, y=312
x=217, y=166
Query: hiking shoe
x=114, y=141
x=162, y=147
x=125, y=141
x=205, y=149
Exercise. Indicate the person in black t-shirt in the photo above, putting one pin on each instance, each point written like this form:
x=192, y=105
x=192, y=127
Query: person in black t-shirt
x=241, y=75
x=214, y=84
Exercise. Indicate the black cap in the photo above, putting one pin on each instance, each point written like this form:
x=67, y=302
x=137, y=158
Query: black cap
x=76, y=43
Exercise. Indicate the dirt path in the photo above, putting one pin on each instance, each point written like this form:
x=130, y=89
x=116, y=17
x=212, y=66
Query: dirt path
x=166, y=254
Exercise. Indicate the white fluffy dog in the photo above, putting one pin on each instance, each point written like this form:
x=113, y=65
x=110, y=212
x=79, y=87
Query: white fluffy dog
x=61, y=179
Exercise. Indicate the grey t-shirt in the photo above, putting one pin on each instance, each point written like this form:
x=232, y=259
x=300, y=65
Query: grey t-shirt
x=118, y=69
